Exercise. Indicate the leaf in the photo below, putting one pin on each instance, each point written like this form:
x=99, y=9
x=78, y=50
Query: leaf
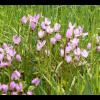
x=58, y=66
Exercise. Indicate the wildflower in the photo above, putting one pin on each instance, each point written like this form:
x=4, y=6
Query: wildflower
x=40, y=45
x=49, y=30
x=98, y=48
x=15, y=75
x=69, y=33
x=19, y=87
x=53, y=40
x=89, y=46
x=77, y=51
x=68, y=58
x=36, y=18
x=71, y=26
x=24, y=20
x=68, y=49
x=12, y=85
x=4, y=46
x=84, y=53
x=75, y=42
x=57, y=27
x=41, y=34
x=43, y=26
x=47, y=22
x=11, y=52
x=80, y=29
x=4, y=88
x=58, y=37
x=16, y=39
x=29, y=93
x=36, y=81
x=62, y=52
x=8, y=57
x=32, y=25
x=18, y=58
x=77, y=32
x=4, y=64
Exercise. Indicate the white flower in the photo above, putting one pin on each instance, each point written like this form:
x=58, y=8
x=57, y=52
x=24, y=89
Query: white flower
x=41, y=34
x=84, y=53
x=57, y=27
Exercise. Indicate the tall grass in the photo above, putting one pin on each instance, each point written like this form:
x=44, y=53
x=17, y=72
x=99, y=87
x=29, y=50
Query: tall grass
x=57, y=77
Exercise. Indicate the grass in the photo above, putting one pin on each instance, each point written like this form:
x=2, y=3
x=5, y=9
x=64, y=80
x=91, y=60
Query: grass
x=57, y=77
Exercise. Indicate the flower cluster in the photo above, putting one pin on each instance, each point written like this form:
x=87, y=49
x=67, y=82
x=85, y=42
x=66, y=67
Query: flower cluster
x=33, y=20
x=47, y=30
x=71, y=49
x=7, y=53
x=16, y=87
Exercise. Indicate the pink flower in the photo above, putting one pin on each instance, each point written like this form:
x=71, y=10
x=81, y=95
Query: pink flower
x=24, y=20
x=69, y=33
x=29, y=93
x=49, y=30
x=18, y=58
x=84, y=53
x=1, y=57
x=47, y=21
x=80, y=29
x=53, y=40
x=43, y=26
x=12, y=85
x=15, y=75
x=4, y=64
x=57, y=27
x=9, y=57
x=16, y=39
x=41, y=34
x=68, y=58
x=36, y=18
x=71, y=26
x=4, y=88
x=77, y=51
x=4, y=46
x=98, y=48
x=68, y=49
x=89, y=46
x=10, y=51
x=62, y=52
x=75, y=42
x=40, y=45
x=36, y=81
x=32, y=25
x=19, y=87
x=77, y=32
x=58, y=37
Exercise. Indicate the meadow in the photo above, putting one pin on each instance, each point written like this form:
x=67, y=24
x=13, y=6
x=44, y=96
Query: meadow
x=57, y=52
